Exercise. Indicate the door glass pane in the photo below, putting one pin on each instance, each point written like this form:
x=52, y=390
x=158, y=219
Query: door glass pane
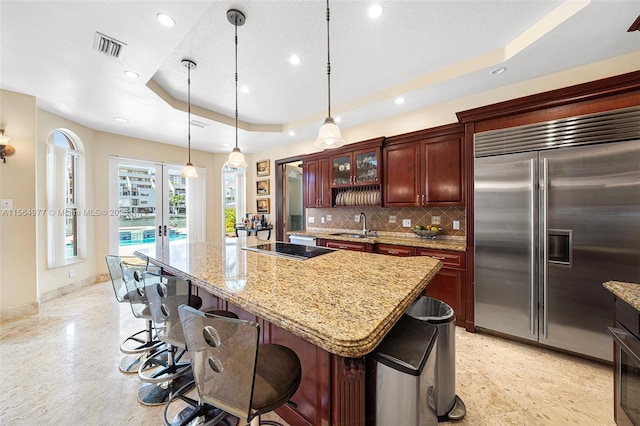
x=137, y=205
x=177, y=198
x=367, y=167
x=341, y=170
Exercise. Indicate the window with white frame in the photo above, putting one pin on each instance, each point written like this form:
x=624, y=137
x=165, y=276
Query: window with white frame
x=64, y=223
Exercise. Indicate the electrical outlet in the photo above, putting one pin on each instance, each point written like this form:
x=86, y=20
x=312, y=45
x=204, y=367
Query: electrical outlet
x=72, y=273
x=406, y=223
x=392, y=219
x=328, y=218
x=321, y=219
x=435, y=220
x=357, y=218
x=456, y=225
x=311, y=219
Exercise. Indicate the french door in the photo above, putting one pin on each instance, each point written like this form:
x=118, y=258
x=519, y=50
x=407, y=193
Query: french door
x=148, y=206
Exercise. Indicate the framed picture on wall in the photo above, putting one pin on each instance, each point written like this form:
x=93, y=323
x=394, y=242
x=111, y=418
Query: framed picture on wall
x=262, y=168
x=262, y=187
x=262, y=206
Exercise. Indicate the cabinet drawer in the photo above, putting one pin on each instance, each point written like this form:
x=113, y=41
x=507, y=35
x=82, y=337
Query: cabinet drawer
x=448, y=258
x=393, y=250
x=346, y=245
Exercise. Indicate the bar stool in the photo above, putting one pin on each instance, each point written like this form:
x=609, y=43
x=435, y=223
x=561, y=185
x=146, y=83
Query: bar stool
x=164, y=371
x=137, y=346
x=233, y=373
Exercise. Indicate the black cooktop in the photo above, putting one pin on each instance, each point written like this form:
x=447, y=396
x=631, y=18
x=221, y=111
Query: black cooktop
x=295, y=251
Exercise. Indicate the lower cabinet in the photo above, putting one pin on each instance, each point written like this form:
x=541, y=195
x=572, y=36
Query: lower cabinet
x=348, y=245
x=393, y=250
x=448, y=284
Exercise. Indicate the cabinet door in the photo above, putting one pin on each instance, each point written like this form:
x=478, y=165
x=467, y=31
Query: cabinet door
x=323, y=183
x=448, y=286
x=366, y=166
x=442, y=171
x=341, y=170
x=401, y=165
x=310, y=176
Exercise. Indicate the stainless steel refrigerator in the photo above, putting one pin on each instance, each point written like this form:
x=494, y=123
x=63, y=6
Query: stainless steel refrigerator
x=552, y=223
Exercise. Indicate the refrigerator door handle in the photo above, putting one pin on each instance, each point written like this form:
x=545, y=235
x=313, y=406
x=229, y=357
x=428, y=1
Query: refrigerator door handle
x=545, y=255
x=532, y=259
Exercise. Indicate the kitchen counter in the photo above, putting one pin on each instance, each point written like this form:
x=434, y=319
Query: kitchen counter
x=343, y=302
x=629, y=292
x=410, y=240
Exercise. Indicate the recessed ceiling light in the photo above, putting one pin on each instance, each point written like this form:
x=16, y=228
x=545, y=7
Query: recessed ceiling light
x=375, y=11
x=295, y=59
x=498, y=70
x=337, y=119
x=292, y=133
x=120, y=119
x=245, y=89
x=399, y=100
x=131, y=74
x=165, y=20
x=225, y=144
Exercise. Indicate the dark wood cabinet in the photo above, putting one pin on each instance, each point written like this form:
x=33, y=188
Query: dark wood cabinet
x=317, y=184
x=394, y=250
x=348, y=245
x=425, y=168
x=355, y=168
x=449, y=283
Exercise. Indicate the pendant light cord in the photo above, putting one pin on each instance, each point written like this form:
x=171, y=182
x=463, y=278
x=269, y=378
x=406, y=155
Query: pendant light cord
x=189, y=110
x=328, y=63
x=236, y=43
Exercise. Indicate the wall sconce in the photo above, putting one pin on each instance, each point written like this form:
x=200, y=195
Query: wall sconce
x=5, y=148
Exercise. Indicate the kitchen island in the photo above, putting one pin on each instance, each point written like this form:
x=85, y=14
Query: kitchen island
x=332, y=310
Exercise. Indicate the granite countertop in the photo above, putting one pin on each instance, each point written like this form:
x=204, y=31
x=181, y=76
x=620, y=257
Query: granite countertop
x=410, y=239
x=344, y=302
x=629, y=292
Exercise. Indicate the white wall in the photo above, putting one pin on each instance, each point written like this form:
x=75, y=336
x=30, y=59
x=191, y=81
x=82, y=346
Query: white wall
x=17, y=182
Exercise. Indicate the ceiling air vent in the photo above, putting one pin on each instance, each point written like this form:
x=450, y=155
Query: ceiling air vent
x=108, y=45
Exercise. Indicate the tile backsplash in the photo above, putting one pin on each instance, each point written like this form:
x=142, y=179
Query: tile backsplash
x=378, y=218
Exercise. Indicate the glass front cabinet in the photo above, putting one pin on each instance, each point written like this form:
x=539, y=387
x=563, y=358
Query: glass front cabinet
x=356, y=168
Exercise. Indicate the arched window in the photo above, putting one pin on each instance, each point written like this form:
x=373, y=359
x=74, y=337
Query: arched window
x=64, y=223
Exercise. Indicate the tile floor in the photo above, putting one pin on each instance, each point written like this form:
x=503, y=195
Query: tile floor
x=60, y=367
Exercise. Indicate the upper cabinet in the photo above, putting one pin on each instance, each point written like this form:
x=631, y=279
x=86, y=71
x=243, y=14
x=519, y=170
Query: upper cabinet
x=425, y=168
x=316, y=181
x=354, y=168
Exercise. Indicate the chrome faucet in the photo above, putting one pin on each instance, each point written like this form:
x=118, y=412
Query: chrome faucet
x=363, y=219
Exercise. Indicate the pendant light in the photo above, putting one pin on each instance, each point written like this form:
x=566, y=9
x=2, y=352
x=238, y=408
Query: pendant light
x=329, y=135
x=189, y=171
x=236, y=159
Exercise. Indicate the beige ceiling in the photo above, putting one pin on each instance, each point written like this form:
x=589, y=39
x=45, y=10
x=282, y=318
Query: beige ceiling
x=428, y=52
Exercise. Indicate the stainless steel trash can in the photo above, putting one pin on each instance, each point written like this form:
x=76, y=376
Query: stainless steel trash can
x=404, y=365
x=448, y=405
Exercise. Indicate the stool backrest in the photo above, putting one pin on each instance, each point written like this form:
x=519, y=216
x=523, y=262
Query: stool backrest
x=223, y=355
x=165, y=293
x=117, y=278
x=132, y=277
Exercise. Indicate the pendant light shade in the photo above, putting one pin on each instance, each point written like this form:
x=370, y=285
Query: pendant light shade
x=236, y=159
x=189, y=171
x=329, y=134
